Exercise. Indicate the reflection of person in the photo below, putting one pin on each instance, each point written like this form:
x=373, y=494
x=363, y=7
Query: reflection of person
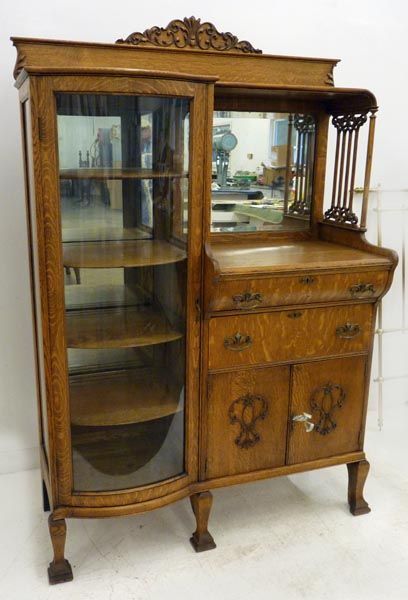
x=146, y=138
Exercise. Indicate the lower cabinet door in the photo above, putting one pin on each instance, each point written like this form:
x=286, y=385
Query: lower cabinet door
x=247, y=415
x=332, y=393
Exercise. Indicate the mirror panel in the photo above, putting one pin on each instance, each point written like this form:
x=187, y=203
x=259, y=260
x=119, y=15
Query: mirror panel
x=262, y=171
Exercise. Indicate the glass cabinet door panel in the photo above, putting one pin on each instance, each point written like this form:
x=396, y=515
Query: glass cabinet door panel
x=262, y=171
x=123, y=166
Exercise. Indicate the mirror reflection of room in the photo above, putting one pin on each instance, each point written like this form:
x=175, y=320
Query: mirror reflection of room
x=262, y=171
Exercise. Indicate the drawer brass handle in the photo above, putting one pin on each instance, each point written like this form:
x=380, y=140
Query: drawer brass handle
x=348, y=330
x=295, y=314
x=238, y=342
x=247, y=300
x=307, y=279
x=362, y=289
x=305, y=419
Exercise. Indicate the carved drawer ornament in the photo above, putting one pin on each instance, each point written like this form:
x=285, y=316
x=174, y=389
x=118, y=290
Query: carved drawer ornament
x=246, y=411
x=324, y=401
x=348, y=330
x=238, y=342
x=190, y=33
x=362, y=289
x=247, y=300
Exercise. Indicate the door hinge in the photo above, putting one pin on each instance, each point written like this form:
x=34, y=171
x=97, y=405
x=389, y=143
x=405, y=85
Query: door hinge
x=41, y=129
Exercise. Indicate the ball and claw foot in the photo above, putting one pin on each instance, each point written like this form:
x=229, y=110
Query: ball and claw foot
x=201, y=539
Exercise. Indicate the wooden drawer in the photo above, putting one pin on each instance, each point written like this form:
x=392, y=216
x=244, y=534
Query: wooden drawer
x=288, y=335
x=246, y=420
x=296, y=289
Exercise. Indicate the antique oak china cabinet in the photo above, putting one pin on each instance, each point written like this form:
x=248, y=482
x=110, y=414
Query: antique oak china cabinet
x=202, y=317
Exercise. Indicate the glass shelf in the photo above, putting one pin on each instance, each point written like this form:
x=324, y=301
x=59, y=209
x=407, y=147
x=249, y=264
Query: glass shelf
x=104, y=296
x=139, y=253
x=118, y=328
x=103, y=233
x=108, y=399
x=109, y=173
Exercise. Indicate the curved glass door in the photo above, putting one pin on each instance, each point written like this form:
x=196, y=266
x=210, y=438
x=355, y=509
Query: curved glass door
x=123, y=164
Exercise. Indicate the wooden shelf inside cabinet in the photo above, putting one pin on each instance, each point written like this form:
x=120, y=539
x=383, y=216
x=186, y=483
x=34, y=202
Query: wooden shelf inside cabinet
x=139, y=253
x=104, y=296
x=103, y=233
x=118, y=328
x=126, y=173
x=122, y=398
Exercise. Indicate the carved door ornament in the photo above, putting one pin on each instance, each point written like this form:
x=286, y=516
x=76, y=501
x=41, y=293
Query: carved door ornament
x=324, y=401
x=246, y=411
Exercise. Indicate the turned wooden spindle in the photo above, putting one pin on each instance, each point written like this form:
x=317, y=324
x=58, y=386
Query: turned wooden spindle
x=367, y=176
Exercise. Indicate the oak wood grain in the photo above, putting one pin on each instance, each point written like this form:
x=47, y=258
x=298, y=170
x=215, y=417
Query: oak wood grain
x=288, y=335
x=296, y=289
x=308, y=383
x=224, y=456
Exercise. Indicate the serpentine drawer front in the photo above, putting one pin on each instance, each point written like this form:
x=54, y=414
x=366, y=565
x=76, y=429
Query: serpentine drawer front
x=296, y=289
x=288, y=335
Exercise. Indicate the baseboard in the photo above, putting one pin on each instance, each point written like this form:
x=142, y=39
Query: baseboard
x=21, y=459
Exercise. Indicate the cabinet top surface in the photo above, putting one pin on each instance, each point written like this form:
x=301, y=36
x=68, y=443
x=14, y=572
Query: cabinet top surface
x=291, y=255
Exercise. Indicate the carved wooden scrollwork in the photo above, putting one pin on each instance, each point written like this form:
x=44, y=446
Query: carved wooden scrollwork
x=247, y=410
x=325, y=400
x=238, y=342
x=247, y=300
x=305, y=126
x=341, y=209
x=348, y=330
x=362, y=289
x=190, y=33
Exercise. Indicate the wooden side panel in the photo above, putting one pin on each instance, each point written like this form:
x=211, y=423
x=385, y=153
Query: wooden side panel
x=288, y=335
x=332, y=392
x=246, y=421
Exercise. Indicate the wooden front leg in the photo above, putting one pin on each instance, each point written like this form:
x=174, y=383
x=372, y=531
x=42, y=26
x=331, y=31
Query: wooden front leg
x=59, y=570
x=46, y=500
x=201, y=539
x=357, y=473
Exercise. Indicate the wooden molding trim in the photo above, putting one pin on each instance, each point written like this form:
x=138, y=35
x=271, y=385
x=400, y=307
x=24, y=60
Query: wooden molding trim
x=190, y=33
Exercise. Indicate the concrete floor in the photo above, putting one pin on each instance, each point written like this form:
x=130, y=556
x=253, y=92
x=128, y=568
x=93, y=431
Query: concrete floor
x=286, y=538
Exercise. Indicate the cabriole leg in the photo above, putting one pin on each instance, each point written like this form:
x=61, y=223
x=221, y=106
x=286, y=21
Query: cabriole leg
x=201, y=539
x=357, y=473
x=59, y=570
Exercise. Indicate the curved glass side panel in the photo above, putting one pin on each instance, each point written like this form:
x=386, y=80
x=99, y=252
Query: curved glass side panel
x=262, y=171
x=123, y=164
